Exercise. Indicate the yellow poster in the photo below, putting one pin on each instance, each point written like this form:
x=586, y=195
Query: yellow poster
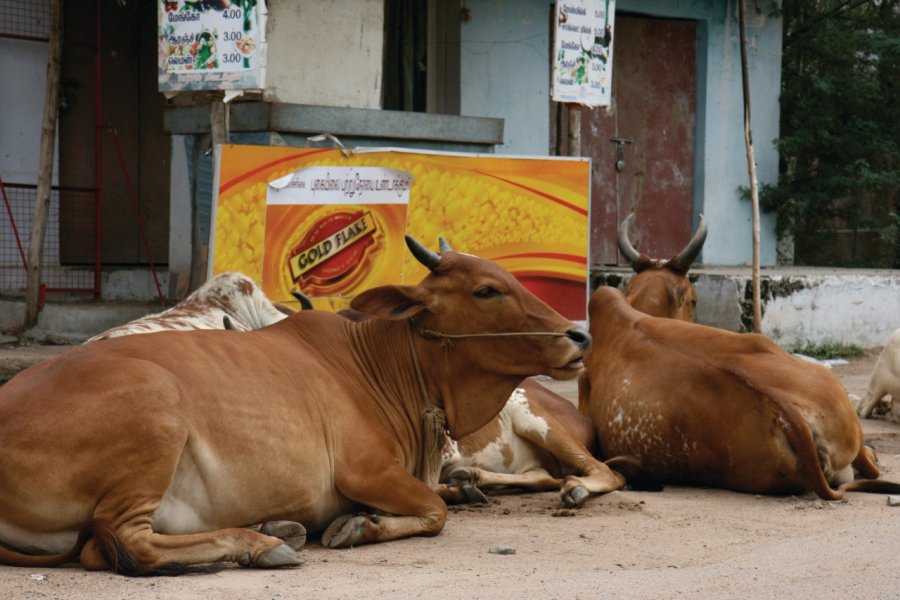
x=334, y=231
x=331, y=225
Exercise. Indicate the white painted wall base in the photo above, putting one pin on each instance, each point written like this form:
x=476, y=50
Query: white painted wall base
x=799, y=305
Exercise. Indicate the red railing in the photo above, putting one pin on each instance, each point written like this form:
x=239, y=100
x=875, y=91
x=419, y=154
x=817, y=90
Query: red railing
x=66, y=264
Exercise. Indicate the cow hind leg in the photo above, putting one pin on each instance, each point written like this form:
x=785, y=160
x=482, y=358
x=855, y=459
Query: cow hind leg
x=124, y=539
x=144, y=553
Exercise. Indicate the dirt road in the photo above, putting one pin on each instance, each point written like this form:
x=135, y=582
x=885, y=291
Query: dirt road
x=680, y=543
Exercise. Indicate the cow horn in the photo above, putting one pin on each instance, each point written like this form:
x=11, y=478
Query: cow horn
x=423, y=255
x=444, y=245
x=303, y=299
x=686, y=257
x=625, y=247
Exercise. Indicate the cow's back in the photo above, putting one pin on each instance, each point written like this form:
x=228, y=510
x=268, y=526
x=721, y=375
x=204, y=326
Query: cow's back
x=706, y=406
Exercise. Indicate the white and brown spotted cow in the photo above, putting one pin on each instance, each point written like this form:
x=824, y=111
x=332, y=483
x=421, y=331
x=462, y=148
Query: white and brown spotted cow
x=538, y=442
x=229, y=297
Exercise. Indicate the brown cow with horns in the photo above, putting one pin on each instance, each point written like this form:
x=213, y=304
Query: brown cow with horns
x=148, y=454
x=710, y=407
x=661, y=288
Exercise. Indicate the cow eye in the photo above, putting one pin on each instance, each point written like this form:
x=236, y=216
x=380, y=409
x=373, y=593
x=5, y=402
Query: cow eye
x=486, y=291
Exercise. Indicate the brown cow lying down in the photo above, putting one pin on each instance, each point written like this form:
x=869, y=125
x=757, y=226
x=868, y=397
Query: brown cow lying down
x=146, y=454
x=885, y=381
x=709, y=407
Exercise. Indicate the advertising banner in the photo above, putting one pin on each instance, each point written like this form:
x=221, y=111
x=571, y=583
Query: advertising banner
x=334, y=231
x=205, y=45
x=332, y=225
x=583, y=51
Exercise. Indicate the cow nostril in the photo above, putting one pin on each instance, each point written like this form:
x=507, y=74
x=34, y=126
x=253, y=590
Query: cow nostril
x=580, y=336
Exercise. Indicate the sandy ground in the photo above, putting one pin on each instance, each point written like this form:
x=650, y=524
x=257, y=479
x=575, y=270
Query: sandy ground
x=680, y=543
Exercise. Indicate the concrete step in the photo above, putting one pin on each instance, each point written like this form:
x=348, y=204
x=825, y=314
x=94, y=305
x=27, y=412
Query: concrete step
x=72, y=322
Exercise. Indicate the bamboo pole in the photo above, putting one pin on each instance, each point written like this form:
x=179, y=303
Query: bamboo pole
x=751, y=167
x=573, y=145
x=45, y=169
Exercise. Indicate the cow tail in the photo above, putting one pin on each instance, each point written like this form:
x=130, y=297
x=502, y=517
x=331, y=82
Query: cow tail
x=800, y=437
x=871, y=486
x=636, y=477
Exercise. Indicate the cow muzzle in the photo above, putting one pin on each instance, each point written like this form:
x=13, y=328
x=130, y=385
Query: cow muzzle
x=581, y=337
x=583, y=341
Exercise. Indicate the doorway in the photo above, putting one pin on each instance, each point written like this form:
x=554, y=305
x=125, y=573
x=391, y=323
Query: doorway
x=642, y=148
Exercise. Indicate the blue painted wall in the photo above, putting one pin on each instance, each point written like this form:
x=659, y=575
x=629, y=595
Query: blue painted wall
x=505, y=70
x=505, y=73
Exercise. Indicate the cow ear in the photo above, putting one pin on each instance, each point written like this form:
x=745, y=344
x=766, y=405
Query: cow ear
x=391, y=301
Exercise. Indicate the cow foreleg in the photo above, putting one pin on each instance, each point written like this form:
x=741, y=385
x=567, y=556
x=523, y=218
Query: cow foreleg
x=411, y=507
x=597, y=479
x=570, y=450
x=461, y=493
x=538, y=480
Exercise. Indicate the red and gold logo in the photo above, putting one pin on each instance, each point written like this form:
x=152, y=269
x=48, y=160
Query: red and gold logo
x=334, y=253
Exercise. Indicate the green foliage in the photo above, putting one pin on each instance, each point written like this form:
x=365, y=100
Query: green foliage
x=840, y=103
x=830, y=350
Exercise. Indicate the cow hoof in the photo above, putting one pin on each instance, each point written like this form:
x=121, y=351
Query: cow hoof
x=290, y=532
x=279, y=556
x=462, y=476
x=575, y=497
x=473, y=494
x=345, y=531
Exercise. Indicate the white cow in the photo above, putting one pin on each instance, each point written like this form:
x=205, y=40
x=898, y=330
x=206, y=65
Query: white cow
x=232, y=296
x=885, y=380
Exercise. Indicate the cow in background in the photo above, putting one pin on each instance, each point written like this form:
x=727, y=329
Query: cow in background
x=540, y=441
x=146, y=454
x=661, y=288
x=229, y=296
x=704, y=406
x=885, y=381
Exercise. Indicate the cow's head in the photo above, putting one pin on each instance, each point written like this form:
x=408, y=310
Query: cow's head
x=471, y=299
x=661, y=288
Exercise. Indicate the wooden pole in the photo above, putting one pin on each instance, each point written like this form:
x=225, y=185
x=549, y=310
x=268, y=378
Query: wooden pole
x=45, y=169
x=751, y=167
x=574, y=133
